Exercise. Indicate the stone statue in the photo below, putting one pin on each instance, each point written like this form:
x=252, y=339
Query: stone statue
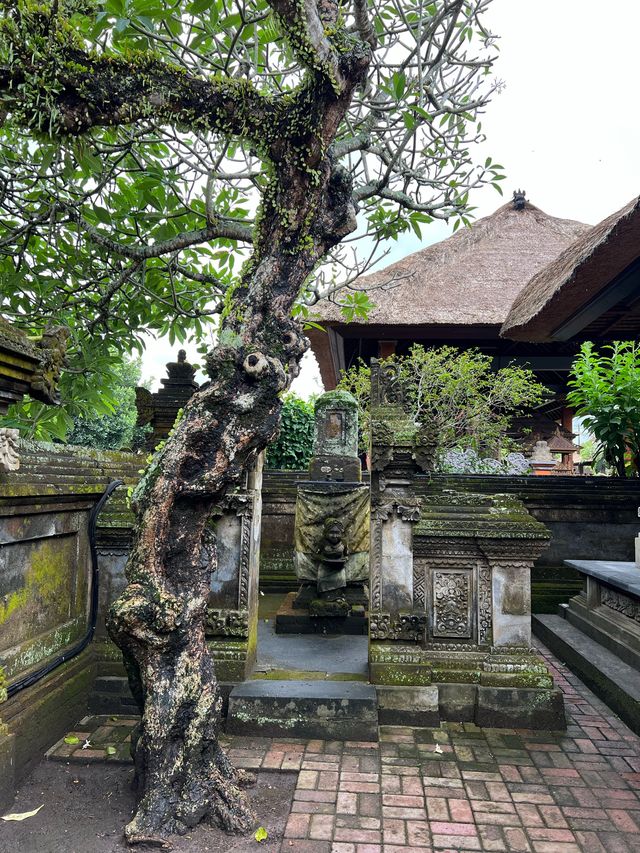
x=332, y=554
x=332, y=517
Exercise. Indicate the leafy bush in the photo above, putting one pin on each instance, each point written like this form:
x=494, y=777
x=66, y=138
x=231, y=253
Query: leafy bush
x=117, y=429
x=605, y=391
x=468, y=404
x=293, y=447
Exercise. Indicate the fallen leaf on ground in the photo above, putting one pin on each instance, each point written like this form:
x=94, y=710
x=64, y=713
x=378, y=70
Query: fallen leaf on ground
x=21, y=815
x=72, y=739
x=111, y=750
x=261, y=834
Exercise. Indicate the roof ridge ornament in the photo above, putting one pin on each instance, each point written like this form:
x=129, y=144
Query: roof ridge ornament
x=519, y=199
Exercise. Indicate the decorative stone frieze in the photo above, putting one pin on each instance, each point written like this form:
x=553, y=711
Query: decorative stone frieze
x=9, y=455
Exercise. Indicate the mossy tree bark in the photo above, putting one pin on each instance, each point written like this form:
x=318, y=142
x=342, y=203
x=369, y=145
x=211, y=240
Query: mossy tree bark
x=183, y=774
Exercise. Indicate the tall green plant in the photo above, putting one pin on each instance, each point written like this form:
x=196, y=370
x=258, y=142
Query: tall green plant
x=605, y=390
x=466, y=402
x=293, y=447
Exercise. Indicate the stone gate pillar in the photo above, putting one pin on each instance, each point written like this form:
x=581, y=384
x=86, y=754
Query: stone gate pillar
x=232, y=617
x=450, y=604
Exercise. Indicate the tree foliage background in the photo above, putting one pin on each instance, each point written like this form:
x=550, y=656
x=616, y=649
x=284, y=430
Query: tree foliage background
x=293, y=447
x=127, y=210
x=605, y=391
x=467, y=403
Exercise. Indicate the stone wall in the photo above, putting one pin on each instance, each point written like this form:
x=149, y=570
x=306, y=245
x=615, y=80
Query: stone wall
x=45, y=589
x=590, y=518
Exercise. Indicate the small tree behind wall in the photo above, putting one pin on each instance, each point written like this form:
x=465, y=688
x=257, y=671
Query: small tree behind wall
x=605, y=391
x=466, y=403
x=293, y=447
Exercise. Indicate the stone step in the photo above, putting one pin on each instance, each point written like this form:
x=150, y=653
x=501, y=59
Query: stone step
x=610, y=678
x=329, y=710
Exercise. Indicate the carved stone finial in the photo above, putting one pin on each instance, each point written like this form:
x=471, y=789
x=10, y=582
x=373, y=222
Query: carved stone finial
x=9, y=456
x=181, y=370
x=519, y=199
x=53, y=348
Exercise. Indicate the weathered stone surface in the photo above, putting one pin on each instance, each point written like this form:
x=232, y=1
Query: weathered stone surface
x=7, y=769
x=330, y=710
x=408, y=706
x=521, y=708
x=602, y=669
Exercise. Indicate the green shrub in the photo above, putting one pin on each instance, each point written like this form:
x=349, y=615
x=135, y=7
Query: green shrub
x=605, y=391
x=293, y=447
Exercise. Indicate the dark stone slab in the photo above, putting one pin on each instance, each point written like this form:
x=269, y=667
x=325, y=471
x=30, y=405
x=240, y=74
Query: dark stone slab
x=305, y=624
x=610, y=678
x=624, y=576
x=408, y=706
x=331, y=710
x=520, y=708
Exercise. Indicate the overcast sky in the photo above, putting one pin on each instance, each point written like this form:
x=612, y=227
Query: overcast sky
x=566, y=127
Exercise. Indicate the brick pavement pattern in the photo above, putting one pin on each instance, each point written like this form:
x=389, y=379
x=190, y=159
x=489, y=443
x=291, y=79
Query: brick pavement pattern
x=460, y=787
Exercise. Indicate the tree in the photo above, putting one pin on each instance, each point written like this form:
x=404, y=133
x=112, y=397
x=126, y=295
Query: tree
x=117, y=429
x=605, y=391
x=465, y=402
x=160, y=128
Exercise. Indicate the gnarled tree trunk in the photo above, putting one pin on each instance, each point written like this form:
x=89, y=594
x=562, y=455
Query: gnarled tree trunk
x=183, y=775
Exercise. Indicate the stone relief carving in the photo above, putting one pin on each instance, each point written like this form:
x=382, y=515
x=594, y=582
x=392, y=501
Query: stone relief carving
x=410, y=627
x=9, y=456
x=386, y=385
x=381, y=445
x=53, y=348
x=424, y=448
x=227, y=623
x=485, y=604
x=620, y=603
x=452, y=603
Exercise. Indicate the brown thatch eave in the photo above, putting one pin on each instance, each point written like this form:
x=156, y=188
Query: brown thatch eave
x=471, y=278
x=578, y=275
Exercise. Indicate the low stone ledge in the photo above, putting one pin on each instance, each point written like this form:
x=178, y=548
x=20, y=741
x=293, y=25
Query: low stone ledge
x=345, y=710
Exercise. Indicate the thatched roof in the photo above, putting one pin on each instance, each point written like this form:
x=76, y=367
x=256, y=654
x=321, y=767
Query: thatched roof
x=576, y=276
x=470, y=278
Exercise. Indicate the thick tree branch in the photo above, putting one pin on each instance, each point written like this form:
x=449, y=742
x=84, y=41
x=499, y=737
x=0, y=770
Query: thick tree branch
x=229, y=230
x=81, y=90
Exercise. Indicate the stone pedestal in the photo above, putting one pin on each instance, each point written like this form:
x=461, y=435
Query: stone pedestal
x=450, y=582
x=331, y=555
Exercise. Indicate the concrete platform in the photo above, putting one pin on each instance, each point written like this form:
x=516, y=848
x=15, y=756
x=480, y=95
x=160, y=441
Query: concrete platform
x=328, y=710
x=611, y=679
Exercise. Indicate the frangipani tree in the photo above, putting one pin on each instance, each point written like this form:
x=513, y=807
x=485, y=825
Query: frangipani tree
x=148, y=149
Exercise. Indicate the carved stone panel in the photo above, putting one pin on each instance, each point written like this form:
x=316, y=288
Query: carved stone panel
x=620, y=603
x=452, y=598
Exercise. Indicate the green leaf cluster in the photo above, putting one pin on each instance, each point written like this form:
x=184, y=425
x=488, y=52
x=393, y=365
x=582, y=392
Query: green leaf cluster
x=605, y=391
x=293, y=447
x=458, y=394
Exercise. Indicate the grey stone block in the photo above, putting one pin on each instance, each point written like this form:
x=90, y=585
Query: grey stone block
x=520, y=708
x=408, y=706
x=610, y=678
x=331, y=710
x=457, y=702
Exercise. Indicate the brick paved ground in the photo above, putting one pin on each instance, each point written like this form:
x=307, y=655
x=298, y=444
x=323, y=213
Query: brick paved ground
x=463, y=788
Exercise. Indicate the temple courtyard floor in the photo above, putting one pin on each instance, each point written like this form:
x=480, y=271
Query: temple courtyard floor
x=457, y=787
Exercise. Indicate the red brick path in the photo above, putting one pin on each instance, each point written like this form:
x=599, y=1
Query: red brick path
x=465, y=788
x=454, y=788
